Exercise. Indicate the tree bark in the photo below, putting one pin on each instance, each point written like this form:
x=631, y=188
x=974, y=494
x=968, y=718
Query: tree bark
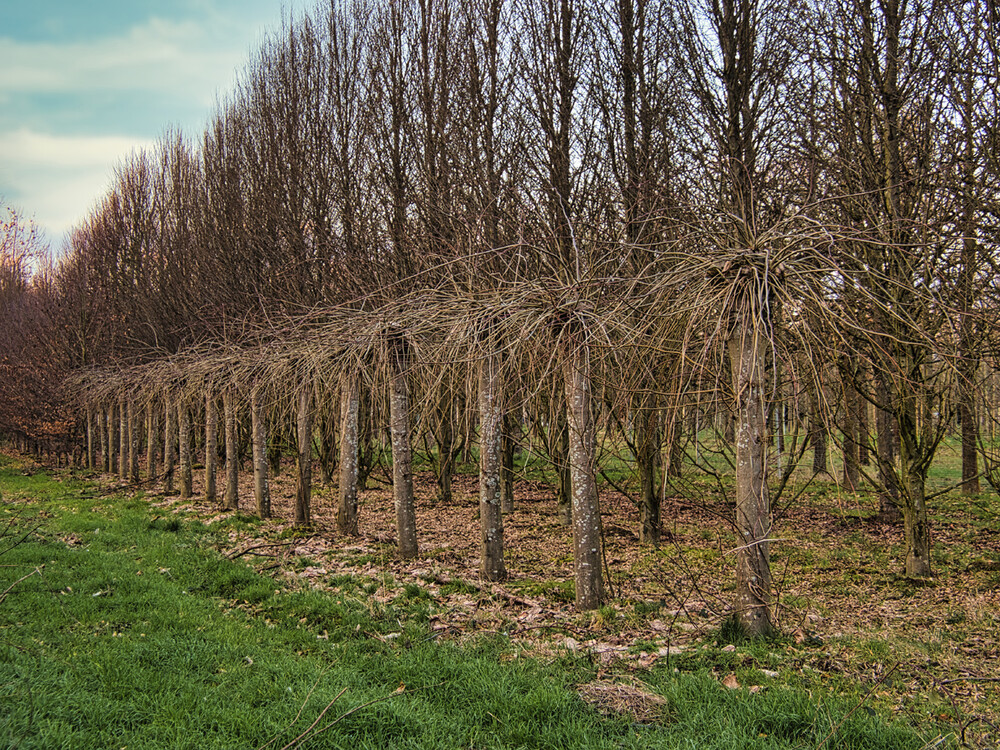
x=123, y=441
x=587, y=544
x=328, y=425
x=347, y=507
x=446, y=443
x=152, y=431
x=886, y=437
x=261, y=491
x=675, y=428
x=916, y=524
x=560, y=460
x=970, y=440
x=507, y=463
x=102, y=427
x=169, y=444
x=303, y=476
x=817, y=429
x=184, y=447
x=913, y=447
x=231, y=500
x=864, y=428
x=133, y=444
x=753, y=512
x=850, y=431
x=491, y=432
x=402, y=461
x=647, y=446
x=211, y=445
x=90, y=437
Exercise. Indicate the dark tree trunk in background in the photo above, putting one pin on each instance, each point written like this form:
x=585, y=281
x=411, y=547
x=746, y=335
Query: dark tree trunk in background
x=303, y=476
x=123, y=442
x=169, y=443
x=231, y=500
x=560, y=460
x=261, y=491
x=152, y=441
x=211, y=445
x=91, y=458
x=510, y=423
x=184, y=448
x=133, y=443
x=647, y=446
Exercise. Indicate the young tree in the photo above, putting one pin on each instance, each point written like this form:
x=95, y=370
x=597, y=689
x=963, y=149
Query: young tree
x=888, y=84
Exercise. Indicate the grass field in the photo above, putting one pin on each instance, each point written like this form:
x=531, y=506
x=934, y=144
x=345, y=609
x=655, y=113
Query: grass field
x=124, y=625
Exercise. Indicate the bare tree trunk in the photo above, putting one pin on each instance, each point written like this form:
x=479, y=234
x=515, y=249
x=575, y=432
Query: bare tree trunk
x=507, y=463
x=152, y=431
x=133, y=444
x=169, y=444
x=211, y=445
x=850, y=449
x=184, y=447
x=261, y=491
x=90, y=438
x=402, y=462
x=647, y=446
x=970, y=438
x=231, y=501
x=105, y=436
x=916, y=524
x=818, y=429
x=303, y=424
x=347, y=507
x=445, y=443
x=864, y=428
x=275, y=446
x=913, y=470
x=675, y=428
x=970, y=223
x=123, y=442
x=587, y=544
x=889, y=497
x=328, y=425
x=753, y=511
x=560, y=460
x=491, y=432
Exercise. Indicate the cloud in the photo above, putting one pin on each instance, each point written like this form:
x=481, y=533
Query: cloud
x=57, y=179
x=177, y=58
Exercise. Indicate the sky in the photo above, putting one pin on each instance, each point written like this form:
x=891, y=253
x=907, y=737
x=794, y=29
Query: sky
x=84, y=84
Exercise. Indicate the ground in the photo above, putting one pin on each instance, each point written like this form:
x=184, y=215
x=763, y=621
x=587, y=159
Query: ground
x=926, y=648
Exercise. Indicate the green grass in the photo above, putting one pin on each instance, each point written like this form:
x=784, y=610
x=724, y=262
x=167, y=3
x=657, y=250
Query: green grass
x=131, y=631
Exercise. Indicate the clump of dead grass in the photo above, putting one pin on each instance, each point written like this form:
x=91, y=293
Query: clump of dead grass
x=635, y=701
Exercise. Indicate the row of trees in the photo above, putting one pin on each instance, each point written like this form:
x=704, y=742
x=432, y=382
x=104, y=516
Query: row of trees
x=594, y=218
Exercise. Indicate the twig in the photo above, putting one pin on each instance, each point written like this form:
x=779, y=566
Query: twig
x=319, y=718
x=11, y=587
x=301, y=709
x=401, y=690
x=248, y=550
x=858, y=705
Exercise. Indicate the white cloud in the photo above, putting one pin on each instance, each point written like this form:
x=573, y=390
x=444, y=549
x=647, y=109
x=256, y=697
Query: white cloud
x=59, y=178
